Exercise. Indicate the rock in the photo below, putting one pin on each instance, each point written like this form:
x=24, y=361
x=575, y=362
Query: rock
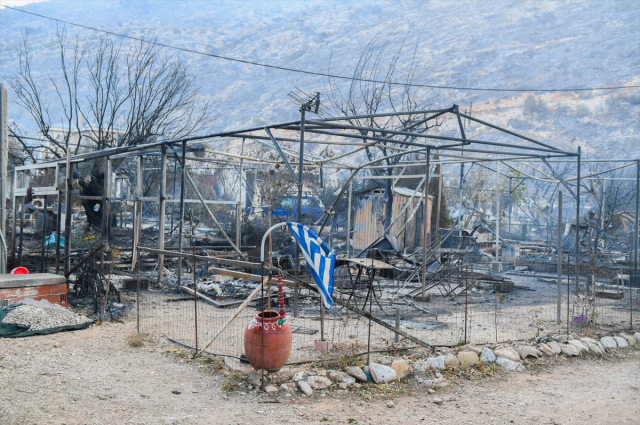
x=436, y=362
x=322, y=373
x=403, y=369
x=318, y=382
x=587, y=339
x=305, y=387
x=467, y=358
x=546, y=350
x=594, y=348
x=255, y=380
x=386, y=361
x=451, y=361
x=343, y=386
x=630, y=340
x=487, y=356
x=438, y=401
x=569, y=350
x=357, y=373
x=287, y=388
x=579, y=345
x=348, y=380
x=270, y=389
x=299, y=376
x=381, y=373
x=337, y=375
x=609, y=343
x=390, y=404
x=475, y=349
x=636, y=336
x=420, y=366
x=555, y=347
x=438, y=383
x=525, y=351
x=510, y=364
x=622, y=343
x=508, y=353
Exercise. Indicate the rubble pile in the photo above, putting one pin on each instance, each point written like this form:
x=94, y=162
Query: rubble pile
x=43, y=315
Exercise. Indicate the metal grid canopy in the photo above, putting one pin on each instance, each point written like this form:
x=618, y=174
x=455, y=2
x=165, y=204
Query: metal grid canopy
x=395, y=143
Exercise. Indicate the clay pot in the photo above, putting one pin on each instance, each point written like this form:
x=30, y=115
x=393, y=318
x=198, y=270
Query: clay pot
x=276, y=345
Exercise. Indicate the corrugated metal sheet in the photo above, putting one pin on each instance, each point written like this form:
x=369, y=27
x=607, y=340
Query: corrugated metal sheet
x=369, y=218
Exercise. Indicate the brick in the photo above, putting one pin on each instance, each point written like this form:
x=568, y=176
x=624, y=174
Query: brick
x=53, y=299
x=25, y=292
x=59, y=289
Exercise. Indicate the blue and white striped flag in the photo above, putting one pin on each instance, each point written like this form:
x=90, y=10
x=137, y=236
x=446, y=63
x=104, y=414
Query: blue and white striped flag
x=320, y=260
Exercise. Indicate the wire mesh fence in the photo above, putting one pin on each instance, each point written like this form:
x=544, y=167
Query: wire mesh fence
x=463, y=308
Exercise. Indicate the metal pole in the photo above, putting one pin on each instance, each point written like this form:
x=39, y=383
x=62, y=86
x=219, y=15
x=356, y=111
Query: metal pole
x=427, y=236
x=466, y=304
x=559, y=253
x=370, y=296
x=44, y=233
x=498, y=193
x=397, y=339
x=136, y=253
x=195, y=286
x=13, y=224
x=460, y=201
x=321, y=319
x=299, y=208
x=262, y=326
x=635, y=257
x=58, y=219
x=240, y=207
x=349, y=218
x=510, y=204
x=182, y=183
x=106, y=205
x=439, y=198
x=21, y=230
x=68, y=212
x=4, y=152
x=163, y=209
x=568, y=290
x=137, y=212
x=578, y=223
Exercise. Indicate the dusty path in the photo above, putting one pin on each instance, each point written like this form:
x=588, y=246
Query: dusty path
x=95, y=377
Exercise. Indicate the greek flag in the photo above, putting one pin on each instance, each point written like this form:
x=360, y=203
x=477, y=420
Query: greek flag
x=320, y=260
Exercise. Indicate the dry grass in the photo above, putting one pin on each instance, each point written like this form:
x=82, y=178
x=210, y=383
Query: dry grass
x=138, y=340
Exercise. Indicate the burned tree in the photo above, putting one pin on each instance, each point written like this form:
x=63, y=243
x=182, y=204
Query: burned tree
x=134, y=96
x=372, y=90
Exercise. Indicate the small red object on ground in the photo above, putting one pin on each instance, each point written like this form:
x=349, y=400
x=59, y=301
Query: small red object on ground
x=20, y=270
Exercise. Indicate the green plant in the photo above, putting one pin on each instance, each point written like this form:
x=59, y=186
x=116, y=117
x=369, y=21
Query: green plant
x=229, y=386
x=349, y=360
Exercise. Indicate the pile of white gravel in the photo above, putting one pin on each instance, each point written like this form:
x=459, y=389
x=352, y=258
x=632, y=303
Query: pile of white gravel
x=43, y=315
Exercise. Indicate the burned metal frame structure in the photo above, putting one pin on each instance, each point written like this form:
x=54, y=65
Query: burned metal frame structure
x=453, y=148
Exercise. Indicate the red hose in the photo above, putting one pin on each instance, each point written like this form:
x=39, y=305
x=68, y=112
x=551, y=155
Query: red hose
x=281, y=297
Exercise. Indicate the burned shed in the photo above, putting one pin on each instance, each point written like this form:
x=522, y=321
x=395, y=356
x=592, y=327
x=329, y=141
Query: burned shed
x=408, y=209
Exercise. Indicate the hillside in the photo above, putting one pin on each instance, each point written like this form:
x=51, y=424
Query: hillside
x=463, y=43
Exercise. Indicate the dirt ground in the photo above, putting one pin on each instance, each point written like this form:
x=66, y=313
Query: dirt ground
x=95, y=377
